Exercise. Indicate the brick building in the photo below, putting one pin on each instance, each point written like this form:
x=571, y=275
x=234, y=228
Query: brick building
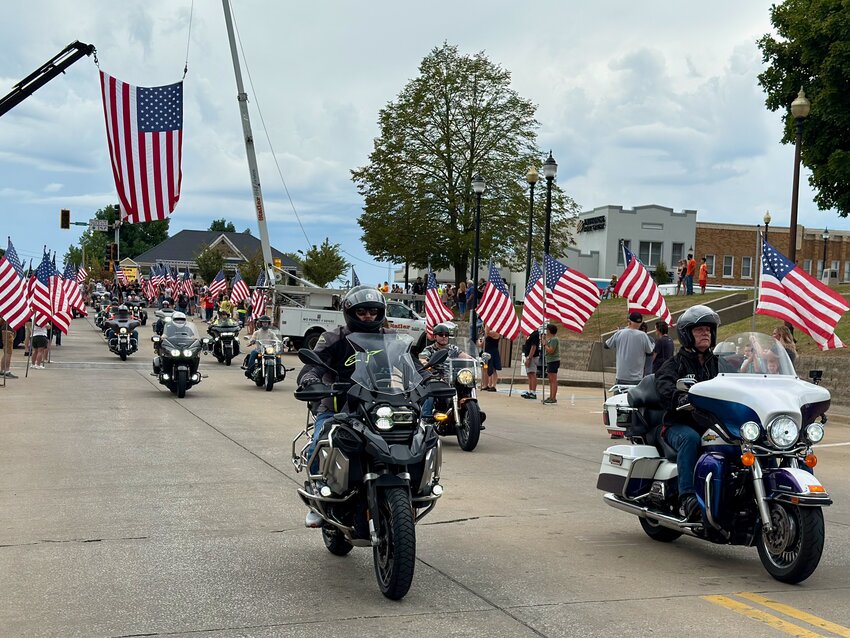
x=731, y=251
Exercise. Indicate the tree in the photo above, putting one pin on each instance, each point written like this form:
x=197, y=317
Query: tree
x=661, y=276
x=457, y=118
x=223, y=226
x=812, y=51
x=324, y=264
x=135, y=238
x=210, y=261
x=250, y=270
x=74, y=256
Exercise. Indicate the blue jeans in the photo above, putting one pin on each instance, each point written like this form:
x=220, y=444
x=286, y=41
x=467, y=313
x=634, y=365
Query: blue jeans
x=252, y=358
x=317, y=434
x=428, y=407
x=685, y=440
x=689, y=283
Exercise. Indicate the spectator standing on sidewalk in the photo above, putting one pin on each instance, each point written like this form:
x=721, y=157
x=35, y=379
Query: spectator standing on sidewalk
x=39, y=347
x=530, y=353
x=8, y=339
x=491, y=347
x=703, y=275
x=552, y=350
x=663, y=349
x=689, y=278
x=632, y=346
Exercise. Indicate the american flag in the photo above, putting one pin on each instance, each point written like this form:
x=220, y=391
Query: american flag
x=82, y=273
x=571, y=297
x=435, y=310
x=789, y=293
x=497, y=308
x=157, y=275
x=355, y=280
x=532, y=308
x=240, y=290
x=61, y=311
x=636, y=285
x=40, y=292
x=258, y=298
x=144, y=129
x=148, y=288
x=72, y=291
x=218, y=285
x=187, y=286
x=14, y=299
x=122, y=276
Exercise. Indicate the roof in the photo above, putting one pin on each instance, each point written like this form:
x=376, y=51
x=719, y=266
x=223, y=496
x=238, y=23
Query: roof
x=185, y=245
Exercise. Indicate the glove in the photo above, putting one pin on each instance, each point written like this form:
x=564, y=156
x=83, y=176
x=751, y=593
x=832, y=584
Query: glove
x=681, y=399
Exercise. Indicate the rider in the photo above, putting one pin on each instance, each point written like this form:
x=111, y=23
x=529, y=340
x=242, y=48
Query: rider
x=122, y=314
x=697, y=331
x=159, y=326
x=364, y=309
x=262, y=333
x=442, y=332
x=224, y=319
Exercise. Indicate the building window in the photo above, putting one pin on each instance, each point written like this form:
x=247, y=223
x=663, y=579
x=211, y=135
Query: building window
x=651, y=226
x=847, y=271
x=819, y=273
x=677, y=255
x=835, y=266
x=807, y=265
x=728, y=265
x=709, y=261
x=650, y=253
x=623, y=242
x=746, y=267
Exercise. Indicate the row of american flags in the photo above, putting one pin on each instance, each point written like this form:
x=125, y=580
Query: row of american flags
x=558, y=292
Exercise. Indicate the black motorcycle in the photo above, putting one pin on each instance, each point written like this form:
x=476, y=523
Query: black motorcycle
x=268, y=366
x=225, y=344
x=379, y=466
x=460, y=415
x=138, y=308
x=179, y=353
x=121, y=341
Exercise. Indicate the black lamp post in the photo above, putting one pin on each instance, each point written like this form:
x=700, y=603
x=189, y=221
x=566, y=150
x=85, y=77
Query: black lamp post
x=800, y=108
x=825, y=236
x=766, y=223
x=550, y=169
x=478, y=186
x=531, y=177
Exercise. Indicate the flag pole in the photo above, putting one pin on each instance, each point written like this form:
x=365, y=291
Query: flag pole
x=29, y=358
x=541, y=331
x=757, y=277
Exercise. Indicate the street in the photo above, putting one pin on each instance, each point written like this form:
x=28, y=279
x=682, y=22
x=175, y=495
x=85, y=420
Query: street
x=127, y=512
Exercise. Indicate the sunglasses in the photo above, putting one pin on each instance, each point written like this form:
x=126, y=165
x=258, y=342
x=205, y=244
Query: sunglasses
x=360, y=312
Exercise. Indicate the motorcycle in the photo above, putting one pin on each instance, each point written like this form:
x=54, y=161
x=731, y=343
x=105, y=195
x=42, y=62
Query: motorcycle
x=268, y=367
x=225, y=345
x=754, y=480
x=379, y=466
x=163, y=314
x=178, y=356
x=138, y=309
x=460, y=415
x=122, y=342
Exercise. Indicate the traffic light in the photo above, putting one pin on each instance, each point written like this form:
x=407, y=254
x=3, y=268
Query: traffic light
x=113, y=252
x=64, y=218
x=107, y=255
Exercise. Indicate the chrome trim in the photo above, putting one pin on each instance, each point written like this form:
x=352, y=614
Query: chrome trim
x=405, y=476
x=708, y=498
x=371, y=476
x=761, y=497
x=664, y=520
x=804, y=500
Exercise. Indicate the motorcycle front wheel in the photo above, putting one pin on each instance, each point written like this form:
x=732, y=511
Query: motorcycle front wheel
x=270, y=375
x=792, y=550
x=395, y=553
x=469, y=426
x=123, y=355
x=227, y=360
x=335, y=541
x=182, y=383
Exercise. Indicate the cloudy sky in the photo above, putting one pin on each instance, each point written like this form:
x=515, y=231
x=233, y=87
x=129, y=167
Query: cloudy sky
x=653, y=102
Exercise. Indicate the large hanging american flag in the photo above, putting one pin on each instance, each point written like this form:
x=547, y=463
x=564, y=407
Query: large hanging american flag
x=497, y=308
x=240, y=290
x=571, y=297
x=532, y=305
x=258, y=298
x=14, y=298
x=144, y=129
x=789, y=293
x=435, y=310
x=638, y=287
x=218, y=285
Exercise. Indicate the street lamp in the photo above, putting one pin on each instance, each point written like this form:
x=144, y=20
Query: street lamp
x=550, y=169
x=800, y=108
x=478, y=186
x=531, y=177
x=766, y=223
x=825, y=235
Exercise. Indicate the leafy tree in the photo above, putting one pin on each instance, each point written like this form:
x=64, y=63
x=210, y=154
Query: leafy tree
x=135, y=238
x=74, y=255
x=210, y=261
x=247, y=231
x=661, y=276
x=324, y=264
x=457, y=118
x=223, y=226
x=812, y=51
x=250, y=270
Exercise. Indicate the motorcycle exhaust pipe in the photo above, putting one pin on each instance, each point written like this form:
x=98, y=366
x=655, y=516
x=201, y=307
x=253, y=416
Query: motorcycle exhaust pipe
x=657, y=517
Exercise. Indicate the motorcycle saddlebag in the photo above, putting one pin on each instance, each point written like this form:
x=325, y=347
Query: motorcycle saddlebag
x=628, y=470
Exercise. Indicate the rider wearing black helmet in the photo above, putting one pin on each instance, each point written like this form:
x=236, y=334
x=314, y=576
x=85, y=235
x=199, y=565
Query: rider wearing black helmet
x=263, y=333
x=364, y=310
x=697, y=331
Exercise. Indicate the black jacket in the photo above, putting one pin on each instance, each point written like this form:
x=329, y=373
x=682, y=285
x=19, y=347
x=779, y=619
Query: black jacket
x=684, y=363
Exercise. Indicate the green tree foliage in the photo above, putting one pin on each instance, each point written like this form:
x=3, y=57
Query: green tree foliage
x=210, y=261
x=250, y=270
x=661, y=275
x=457, y=118
x=324, y=264
x=812, y=51
x=223, y=226
x=74, y=255
x=135, y=238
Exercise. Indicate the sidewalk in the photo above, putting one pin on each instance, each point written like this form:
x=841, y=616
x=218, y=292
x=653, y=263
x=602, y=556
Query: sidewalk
x=574, y=378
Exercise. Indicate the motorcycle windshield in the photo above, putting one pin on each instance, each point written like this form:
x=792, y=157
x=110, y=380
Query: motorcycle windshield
x=382, y=363
x=180, y=336
x=753, y=353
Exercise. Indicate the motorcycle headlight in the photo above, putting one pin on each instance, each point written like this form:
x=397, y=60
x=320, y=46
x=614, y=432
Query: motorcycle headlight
x=226, y=334
x=187, y=353
x=269, y=350
x=465, y=377
x=814, y=432
x=750, y=431
x=783, y=432
x=123, y=331
x=175, y=353
x=384, y=418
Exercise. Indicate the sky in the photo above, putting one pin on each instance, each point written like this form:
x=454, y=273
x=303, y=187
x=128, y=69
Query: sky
x=641, y=103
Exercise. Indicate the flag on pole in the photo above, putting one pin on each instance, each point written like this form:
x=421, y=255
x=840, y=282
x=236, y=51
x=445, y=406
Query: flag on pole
x=435, y=310
x=532, y=305
x=158, y=275
x=82, y=273
x=789, y=293
x=186, y=285
x=571, y=297
x=14, y=299
x=258, y=298
x=497, y=308
x=638, y=287
x=60, y=310
x=40, y=292
x=144, y=131
x=121, y=275
x=355, y=280
x=240, y=290
x=72, y=291
x=218, y=285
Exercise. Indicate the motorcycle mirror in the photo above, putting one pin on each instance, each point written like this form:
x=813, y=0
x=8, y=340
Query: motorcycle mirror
x=683, y=385
x=311, y=358
x=815, y=376
x=155, y=339
x=438, y=357
x=485, y=356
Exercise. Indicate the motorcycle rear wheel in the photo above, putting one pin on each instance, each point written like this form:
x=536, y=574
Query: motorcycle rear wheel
x=791, y=552
x=469, y=427
x=182, y=383
x=395, y=554
x=335, y=541
x=658, y=532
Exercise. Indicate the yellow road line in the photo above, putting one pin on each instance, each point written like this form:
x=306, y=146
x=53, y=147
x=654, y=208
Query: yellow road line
x=762, y=616
x=839, y=630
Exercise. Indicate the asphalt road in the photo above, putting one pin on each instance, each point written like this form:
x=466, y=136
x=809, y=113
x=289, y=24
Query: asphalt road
x=127, y=512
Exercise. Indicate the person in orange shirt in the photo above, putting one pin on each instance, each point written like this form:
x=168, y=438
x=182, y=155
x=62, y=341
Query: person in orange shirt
x=703, y=275
x=692, y=268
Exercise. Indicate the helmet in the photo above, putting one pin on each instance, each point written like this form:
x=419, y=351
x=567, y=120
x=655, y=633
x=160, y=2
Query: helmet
x=123, y=309
x=363, y=297
x=165, y=303
x=178, y=316
x=441, y=329
x=693, y=317
x=264, y=322
x=223, y=313
x=114, y=300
